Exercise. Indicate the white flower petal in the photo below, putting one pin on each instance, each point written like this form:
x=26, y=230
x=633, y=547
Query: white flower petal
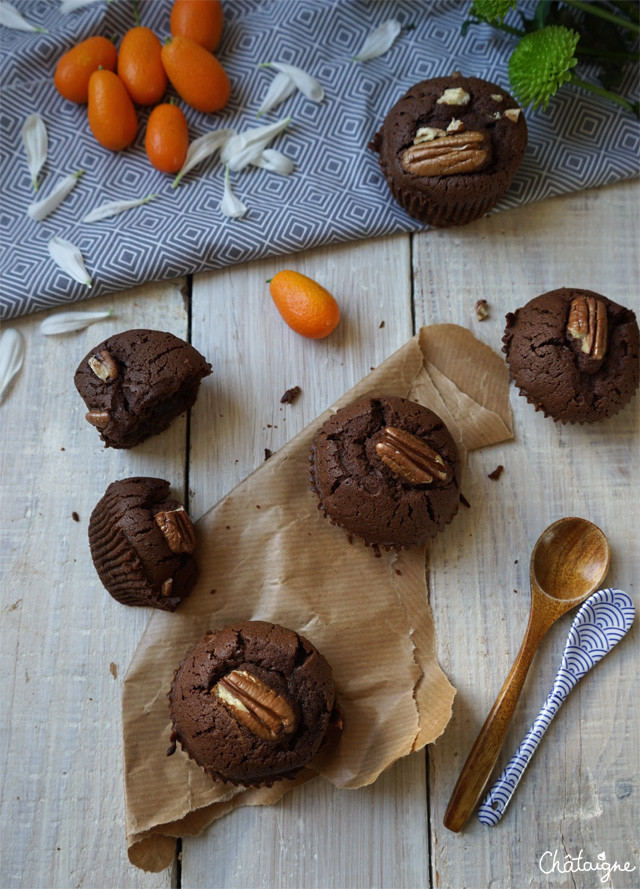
x=201, y=148
x=71, y=5
x=307, y=84
x=39, y=209
x=275, y=161
x=69, y=258
x=67, y=322
x=11, y=357
x=112, y=208
x=34, y=137
x=250, y=137
x=11, y=18
x=379, y=41
x=281, y=88
x=231, y=205
x=249, y=155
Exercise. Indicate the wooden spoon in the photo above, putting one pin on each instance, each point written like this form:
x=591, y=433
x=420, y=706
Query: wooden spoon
x=569, y=561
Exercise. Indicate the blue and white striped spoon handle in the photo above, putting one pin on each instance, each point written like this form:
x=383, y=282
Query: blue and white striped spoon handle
x=601, y=623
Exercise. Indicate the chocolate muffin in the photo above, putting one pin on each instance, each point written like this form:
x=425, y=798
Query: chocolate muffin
x=142, y=543
x=387, y=471
x=450, y=148
x=573, y=354
x=135, y=383
x=251, y=703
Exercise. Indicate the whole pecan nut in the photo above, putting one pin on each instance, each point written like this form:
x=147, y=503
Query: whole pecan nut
x=466, y=152
x=588, y=325
x=178, y=531
x=255, y=705
x=411, y=458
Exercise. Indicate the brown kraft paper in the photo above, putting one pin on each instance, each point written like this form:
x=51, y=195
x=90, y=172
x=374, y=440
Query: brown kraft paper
x=369, y=616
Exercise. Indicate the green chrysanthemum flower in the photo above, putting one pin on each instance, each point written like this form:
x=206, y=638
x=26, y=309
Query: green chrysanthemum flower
x=541, y=63
x=492, y=10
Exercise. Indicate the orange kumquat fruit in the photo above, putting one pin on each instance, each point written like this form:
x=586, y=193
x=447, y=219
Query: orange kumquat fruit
x=304, y=304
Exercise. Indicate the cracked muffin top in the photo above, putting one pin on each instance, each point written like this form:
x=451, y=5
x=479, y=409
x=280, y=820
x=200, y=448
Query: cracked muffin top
x=136, y=382
x=251, y=703
x=387, y=471
x=574, y=354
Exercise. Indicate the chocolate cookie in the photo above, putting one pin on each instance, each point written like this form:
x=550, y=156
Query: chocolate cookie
x=251, y=703
x=135, y=383
x=573, y=354
x=450, y=148
x=141, y=544
x=387, y=471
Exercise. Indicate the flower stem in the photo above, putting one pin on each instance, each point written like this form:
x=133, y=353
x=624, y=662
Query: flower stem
x=606, y=94
x=500, y=27
x=599, y=54
x=603, y=14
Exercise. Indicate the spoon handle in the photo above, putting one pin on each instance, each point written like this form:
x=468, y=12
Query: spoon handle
x=486, y=749
x=496, y=801
x=601, y=622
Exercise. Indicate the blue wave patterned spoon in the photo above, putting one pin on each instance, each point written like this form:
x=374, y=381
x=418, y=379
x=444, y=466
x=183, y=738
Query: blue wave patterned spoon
x=601, y=623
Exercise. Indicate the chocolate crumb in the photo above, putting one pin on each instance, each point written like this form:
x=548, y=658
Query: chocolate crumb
x=290, y=395
x=398, y=572
x=257, y=506
x=464, y=501
x=381, y=325
x=267, y=453
x=497, y=472
x=75, y=516
x=212, y=592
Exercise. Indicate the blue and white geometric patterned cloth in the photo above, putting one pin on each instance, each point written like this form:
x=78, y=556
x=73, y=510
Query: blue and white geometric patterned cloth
x=336, y=192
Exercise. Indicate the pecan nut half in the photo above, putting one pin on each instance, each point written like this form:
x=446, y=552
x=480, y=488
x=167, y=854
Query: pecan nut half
x=466, y=152
x=103, y=366
x=178, y=531
x=97, y=418
x=255, y=705
x=411, y=458
x=588, y=324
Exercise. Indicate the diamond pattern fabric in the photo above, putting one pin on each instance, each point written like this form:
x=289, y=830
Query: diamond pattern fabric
x=336, y=192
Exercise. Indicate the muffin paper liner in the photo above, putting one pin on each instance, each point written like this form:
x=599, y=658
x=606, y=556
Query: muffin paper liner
x=368, y=616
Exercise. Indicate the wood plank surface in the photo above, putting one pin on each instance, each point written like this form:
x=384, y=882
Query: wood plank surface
x=66, y=644
x=573, y=795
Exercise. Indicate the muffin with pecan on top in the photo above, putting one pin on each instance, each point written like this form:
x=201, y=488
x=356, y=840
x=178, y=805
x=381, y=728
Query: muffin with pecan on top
x=252, y=703
x=450, y=148
x=386, y=470
x=142, y=544
x=574, y=354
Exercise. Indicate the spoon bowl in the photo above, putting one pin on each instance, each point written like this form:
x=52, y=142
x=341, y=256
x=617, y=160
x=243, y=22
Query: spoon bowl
x=568, y=563
x=570, y=559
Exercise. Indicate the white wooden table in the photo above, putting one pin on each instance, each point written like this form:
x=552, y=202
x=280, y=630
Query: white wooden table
x=66, y=644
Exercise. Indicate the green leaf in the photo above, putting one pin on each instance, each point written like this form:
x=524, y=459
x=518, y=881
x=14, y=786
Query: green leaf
x=541, y=63
x=543, y=8
x=492, y=10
